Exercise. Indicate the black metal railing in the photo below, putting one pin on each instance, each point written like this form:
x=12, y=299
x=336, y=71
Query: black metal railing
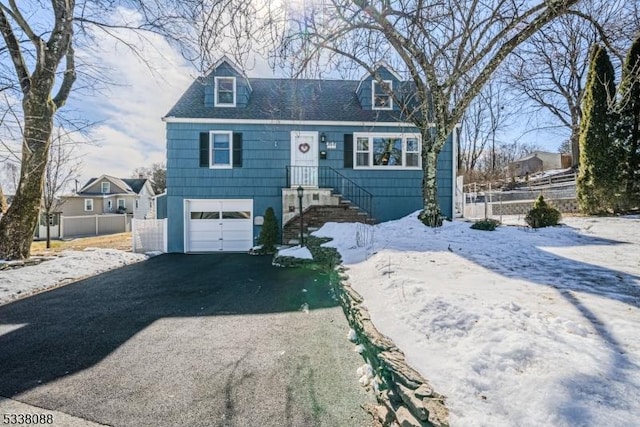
x=327, y=177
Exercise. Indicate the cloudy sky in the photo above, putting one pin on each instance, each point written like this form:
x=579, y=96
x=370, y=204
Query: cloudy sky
x=129, y=132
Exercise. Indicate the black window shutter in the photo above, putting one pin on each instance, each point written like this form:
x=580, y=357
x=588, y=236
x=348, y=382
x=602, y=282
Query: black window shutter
x=204, y=149
x=237, y=150
x=348, y=150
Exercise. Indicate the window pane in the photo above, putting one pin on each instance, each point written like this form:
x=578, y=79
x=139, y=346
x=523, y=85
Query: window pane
x=363, y=144
x=412, y=144
x=205, y=215
x=381, y=101
x=225, y=97
x=225, y=85
x=236, y=215
x=413, y=159
x=381, y=88
x=362, y=159
x=387, y=151
x=221, y=157
x=221, y=140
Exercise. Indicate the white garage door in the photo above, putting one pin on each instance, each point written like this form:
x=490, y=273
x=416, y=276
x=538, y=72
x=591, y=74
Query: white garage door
x=218, y=225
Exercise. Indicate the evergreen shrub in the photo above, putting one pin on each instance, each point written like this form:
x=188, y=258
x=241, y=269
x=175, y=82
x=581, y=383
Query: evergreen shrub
x=268, y=237
x=486, y=224
x=542, y=215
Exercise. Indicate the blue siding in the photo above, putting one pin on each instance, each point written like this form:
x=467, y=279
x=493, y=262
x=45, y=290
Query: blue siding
x=266, y=154
x=364, y=89
x=161, y=206
x=243, y=89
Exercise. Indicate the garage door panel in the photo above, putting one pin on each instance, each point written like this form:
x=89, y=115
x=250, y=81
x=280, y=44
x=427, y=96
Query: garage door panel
x=215, y=225
x=199, y=226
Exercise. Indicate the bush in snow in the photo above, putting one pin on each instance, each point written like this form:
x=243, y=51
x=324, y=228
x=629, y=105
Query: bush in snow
x=269, y=233
x=542, y=215
x=486, y=224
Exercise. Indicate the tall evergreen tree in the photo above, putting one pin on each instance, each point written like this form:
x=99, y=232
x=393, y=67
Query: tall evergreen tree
x=629, y=124
x=597, y=186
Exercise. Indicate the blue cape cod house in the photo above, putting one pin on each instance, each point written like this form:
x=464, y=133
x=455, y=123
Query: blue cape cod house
x=238, y=145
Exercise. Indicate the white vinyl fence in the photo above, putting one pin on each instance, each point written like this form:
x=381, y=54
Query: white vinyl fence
x=93, y=225
x=149, y=235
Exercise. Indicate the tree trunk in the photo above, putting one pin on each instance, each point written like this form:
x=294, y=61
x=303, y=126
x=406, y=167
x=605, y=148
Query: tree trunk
x=431, y=215
x=18, y=224
x=48, y=232
x=575, y=144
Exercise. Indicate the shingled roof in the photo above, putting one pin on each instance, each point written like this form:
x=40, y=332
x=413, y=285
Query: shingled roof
x=287, y=99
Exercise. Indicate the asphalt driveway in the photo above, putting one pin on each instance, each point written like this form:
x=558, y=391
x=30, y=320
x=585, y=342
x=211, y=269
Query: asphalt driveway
x=197, y=340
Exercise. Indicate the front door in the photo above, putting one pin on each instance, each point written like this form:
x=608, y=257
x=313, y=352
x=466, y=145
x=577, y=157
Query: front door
x=304, y=159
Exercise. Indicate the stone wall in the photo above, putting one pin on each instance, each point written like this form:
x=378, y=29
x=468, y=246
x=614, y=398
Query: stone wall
x=406, y=398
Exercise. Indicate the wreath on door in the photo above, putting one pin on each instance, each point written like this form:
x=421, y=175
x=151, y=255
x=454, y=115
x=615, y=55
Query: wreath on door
x=304, y=147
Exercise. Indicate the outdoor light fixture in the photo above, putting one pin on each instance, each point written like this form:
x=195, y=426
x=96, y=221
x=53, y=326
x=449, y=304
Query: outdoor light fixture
x=300, y=191
x=323, y=138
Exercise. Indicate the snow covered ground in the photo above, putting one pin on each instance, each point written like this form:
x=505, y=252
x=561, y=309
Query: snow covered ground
x=70, y=266
x=516, y=327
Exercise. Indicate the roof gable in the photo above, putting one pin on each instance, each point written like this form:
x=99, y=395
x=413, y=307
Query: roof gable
x=118, y=185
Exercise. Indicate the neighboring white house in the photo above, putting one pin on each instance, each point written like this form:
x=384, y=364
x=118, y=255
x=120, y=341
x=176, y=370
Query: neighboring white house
x=111, y=195
x=538, y=161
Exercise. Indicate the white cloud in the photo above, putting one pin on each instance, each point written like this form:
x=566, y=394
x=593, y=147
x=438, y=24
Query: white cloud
x=130, y=133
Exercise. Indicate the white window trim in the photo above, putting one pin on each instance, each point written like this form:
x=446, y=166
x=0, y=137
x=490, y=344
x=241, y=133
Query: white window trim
x=102, y=187
x=223, y=166
x=86, y=209
x=109, y=205
x=215, y=93
x=373, y=95
x=404, y=137
x=124, y=203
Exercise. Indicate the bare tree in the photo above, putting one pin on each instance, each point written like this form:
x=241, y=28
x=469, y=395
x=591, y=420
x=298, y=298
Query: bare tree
x=550, y=68
x=485, y=118
x=62, y=168
x=157, y=174
x=449, y=50
x=43, y=67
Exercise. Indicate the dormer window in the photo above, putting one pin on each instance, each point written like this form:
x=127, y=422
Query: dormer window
x=380, y=94
x=105, y=187
x=225, y=95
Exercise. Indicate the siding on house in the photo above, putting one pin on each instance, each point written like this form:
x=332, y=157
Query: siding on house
x=266, y=154
x=96, y=187
x=74, y=206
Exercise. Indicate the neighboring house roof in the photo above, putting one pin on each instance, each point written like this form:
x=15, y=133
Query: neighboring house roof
x=287, y=99
x=135, y=184
x=130, y=185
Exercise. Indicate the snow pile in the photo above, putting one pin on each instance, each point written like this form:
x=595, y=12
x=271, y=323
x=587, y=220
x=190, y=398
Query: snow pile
x=295, y=252
x=515, y=327
x=70, y=266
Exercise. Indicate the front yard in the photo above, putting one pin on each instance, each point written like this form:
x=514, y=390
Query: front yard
x=515, y=327
x=121, y=241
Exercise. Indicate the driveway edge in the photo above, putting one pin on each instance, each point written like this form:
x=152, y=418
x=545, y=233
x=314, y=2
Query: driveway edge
x=406, y=398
